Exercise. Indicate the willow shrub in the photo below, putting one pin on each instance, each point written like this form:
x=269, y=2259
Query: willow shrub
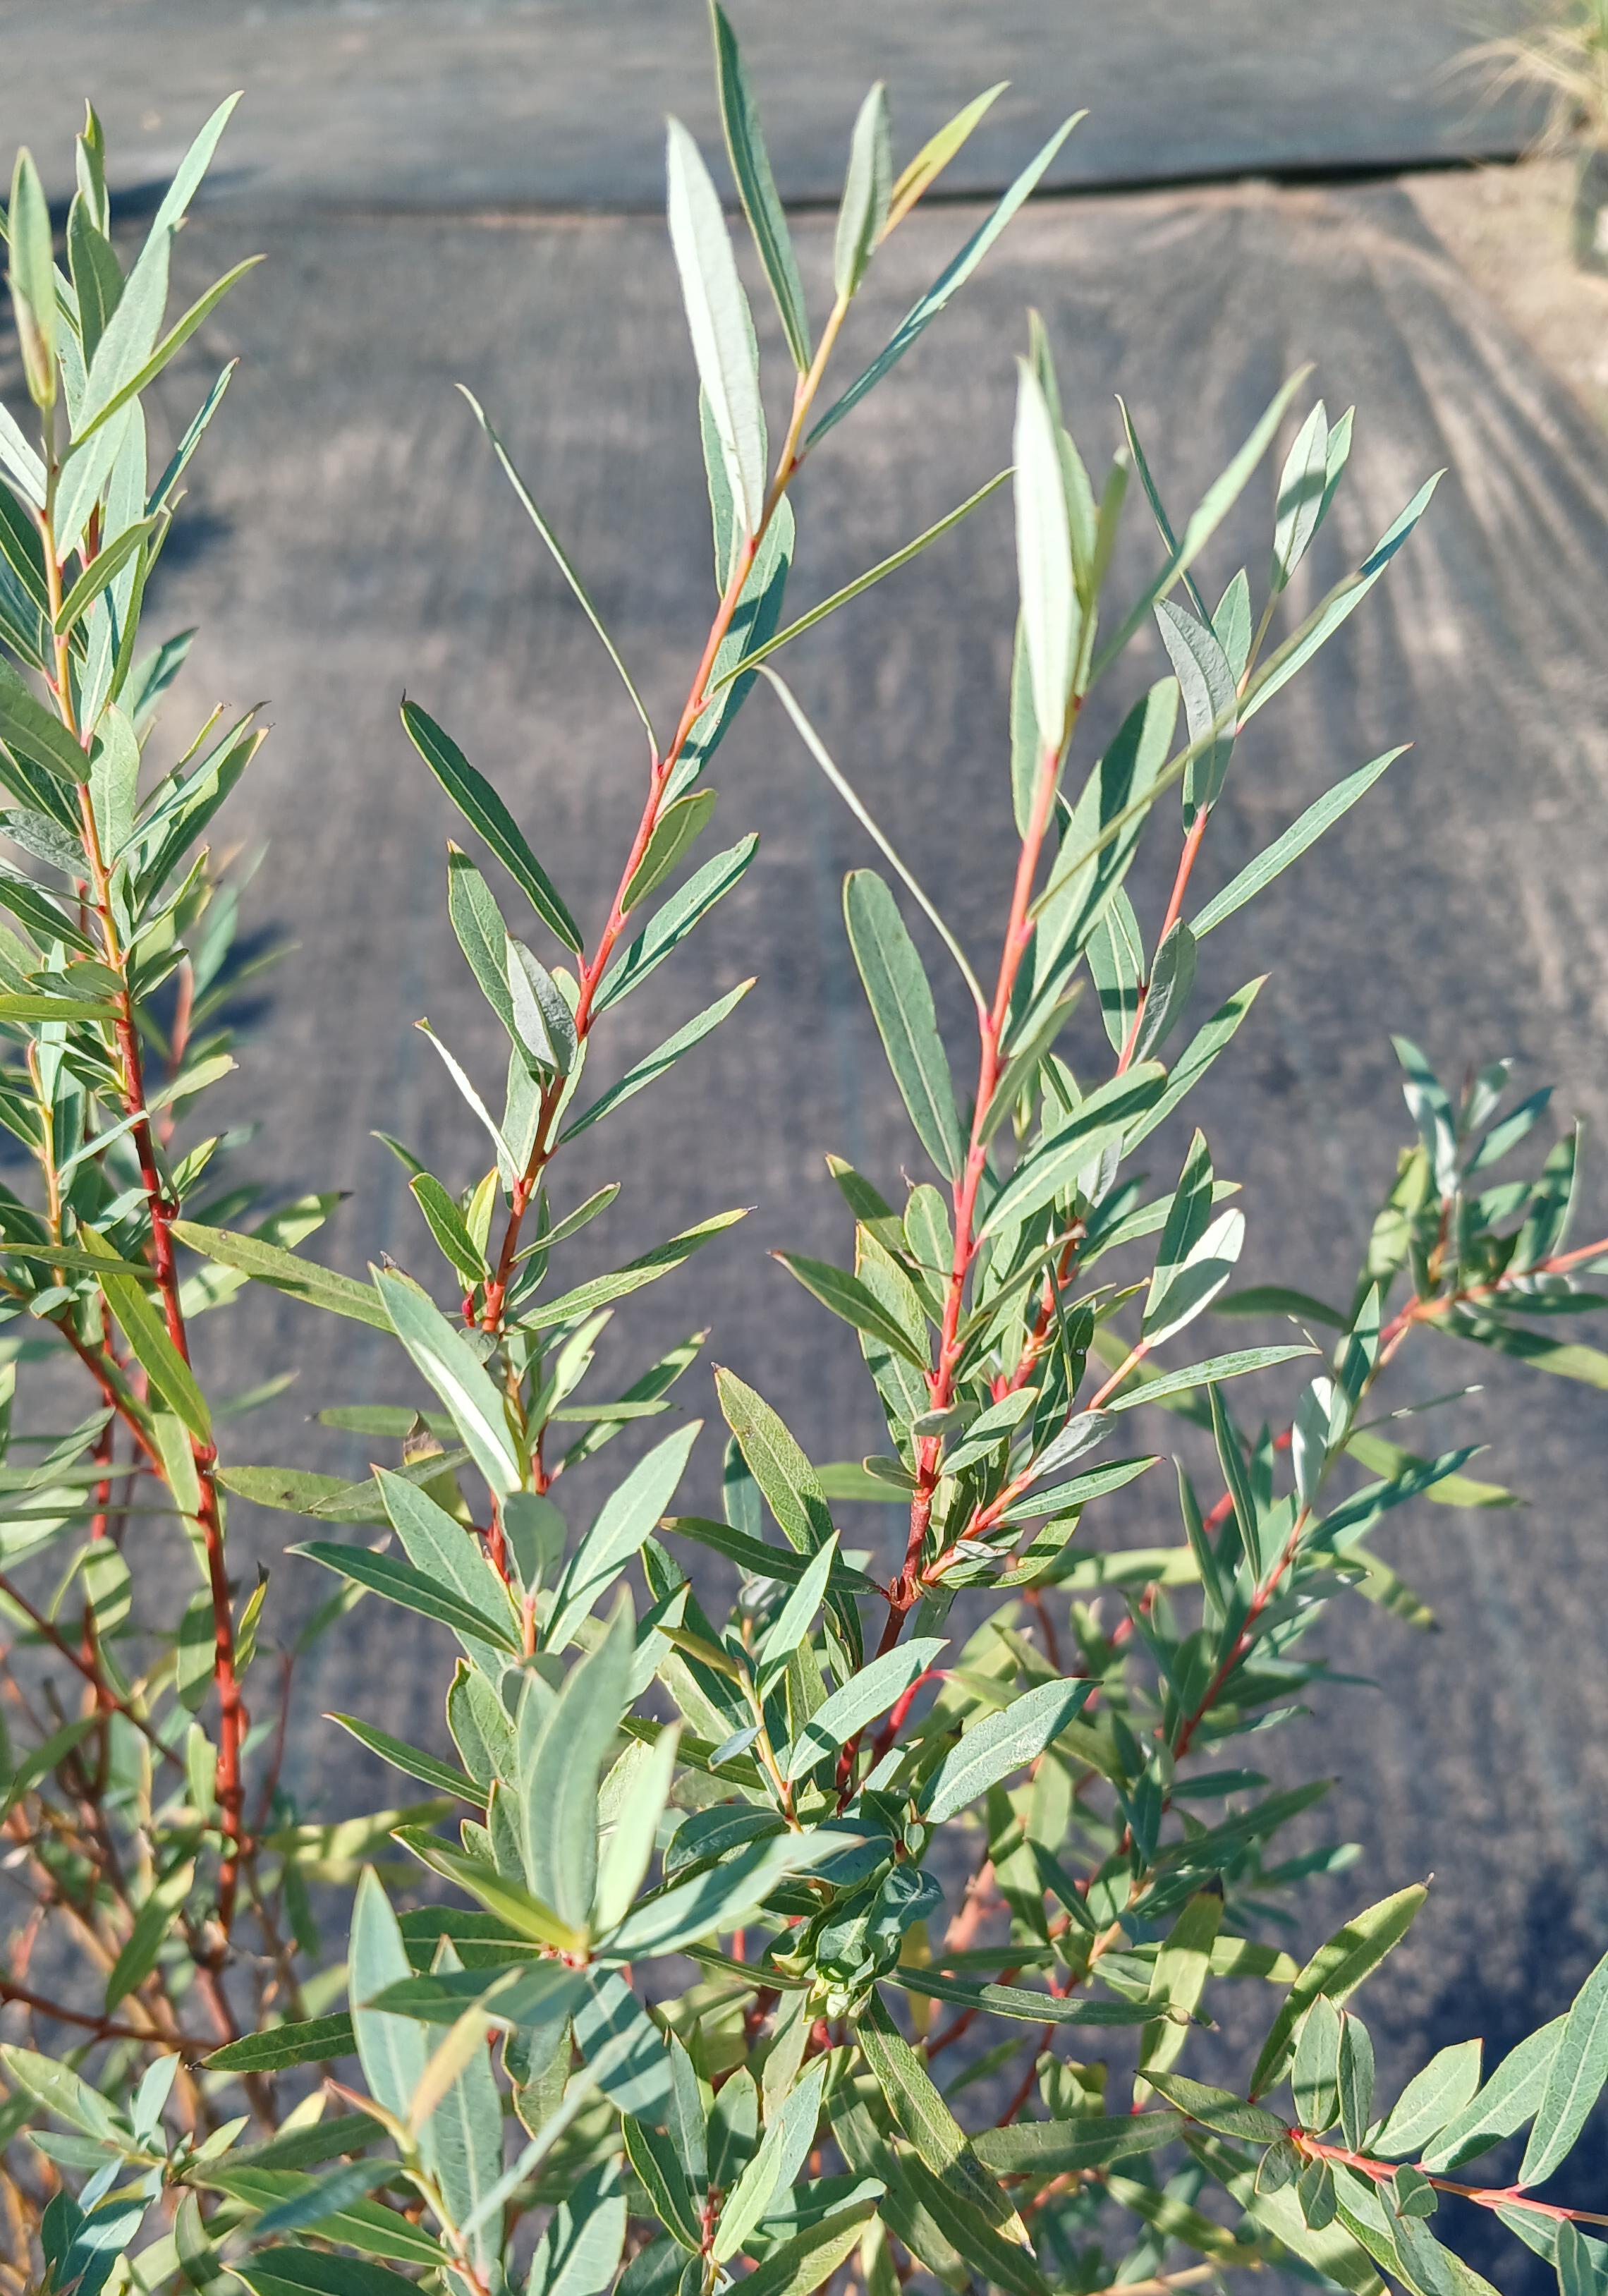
x=686, y=1989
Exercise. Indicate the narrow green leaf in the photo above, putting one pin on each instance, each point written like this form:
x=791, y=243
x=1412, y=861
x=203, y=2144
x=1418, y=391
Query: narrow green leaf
x=719, y=1900
x=97, y=412
x=303, y=1279
x=1303, y=496
x=1057, y=2148
x=102, y=568
x=283, y=2271
x=861, y=583
x=859, y=1701
x=624, y=1522
x=901, y=1004
x=562, y=1767
x=1203, y=1374
x=719, y=322
x=34, y=736
x=867, y=190
x=40, y=1761
x=153, y=1925
x=32, y=277
x=1208, y=514
x=562, y=560
x=481, y=930
x=954, y=276
x=483, y=808
x=147, y=1334
x=1334, y=1972
x=1053, y=1166
x=1304, y=832
x=676, y=827
x=919, y=2110
x=446, y=1223
x=798, y=2265
x=665, y=930
x=1003, y=1741
x=1564, y=1359
x=1211, y=704
x=413, y=1761
x=1507, y=2100
x=1579, y=2068
x=458, y=1377
x=59, y=2089
x=936, y=154
x=509, y=1900
x=391, y=2050
x=570, y=1306
x=313, y=2041
x=791, y=1486
x=1432, y=2098
x=757, y=189
x=401, y=1582
x=659, y=2169
x=762, y=1560
x=1341, y=603
x=849, y=1298
x=654, y=1064
x=544, y=1026
x=1218, y=2108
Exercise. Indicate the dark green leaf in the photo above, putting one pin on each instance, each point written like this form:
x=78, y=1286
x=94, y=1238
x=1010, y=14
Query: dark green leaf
x=313, y=2042
x=484, y=810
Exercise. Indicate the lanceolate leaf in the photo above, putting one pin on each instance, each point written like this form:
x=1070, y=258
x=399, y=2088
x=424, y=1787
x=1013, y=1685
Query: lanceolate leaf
x=1053, y=1165
x=662, y=1057
x=672, y=922
x=316, y=2040
x=571, y=1306
x=849, y=1298
x=401, y=1582
x=791, y=1487
x=458, y=1377
x=1003, y=1743
x=1301, y=832
x=901, y=1004
x=1056, y=2148
x=1341, y=602
x=719, y=321
x=147, y=1334
x=625, y=1520
x=1203, y=1375
x=866, y=190
x=861, y=583
x=1208, y=514
x=1431, y=2099
x=927, y=2120
x=937, y=153
x=1580, y=2069
x=756, y=186
x=1336, y=1972
x=34, y=736
x=1511, y=2096
x=860, y=1699
x=483, y=809
x=303, y=1279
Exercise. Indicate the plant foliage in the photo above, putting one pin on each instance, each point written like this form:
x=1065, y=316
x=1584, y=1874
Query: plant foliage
x=867, y=1926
